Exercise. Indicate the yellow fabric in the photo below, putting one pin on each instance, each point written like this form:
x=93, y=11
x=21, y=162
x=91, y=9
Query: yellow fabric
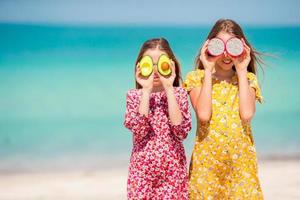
x=224, y=164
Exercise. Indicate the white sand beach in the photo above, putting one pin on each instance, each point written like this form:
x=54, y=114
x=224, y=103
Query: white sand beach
x=280, y=180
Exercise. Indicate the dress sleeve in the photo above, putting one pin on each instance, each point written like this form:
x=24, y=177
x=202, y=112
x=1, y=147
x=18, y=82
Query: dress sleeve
x=182, y=129
x=253, y=82
x=193, y=79
x=137, y=123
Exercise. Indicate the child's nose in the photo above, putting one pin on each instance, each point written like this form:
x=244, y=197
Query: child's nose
x=225, y=54
x=155, y=68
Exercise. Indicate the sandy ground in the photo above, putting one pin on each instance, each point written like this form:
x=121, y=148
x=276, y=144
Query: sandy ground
x=280, y=180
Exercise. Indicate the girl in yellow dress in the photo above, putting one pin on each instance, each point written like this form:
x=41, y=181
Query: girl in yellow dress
x=223, y=90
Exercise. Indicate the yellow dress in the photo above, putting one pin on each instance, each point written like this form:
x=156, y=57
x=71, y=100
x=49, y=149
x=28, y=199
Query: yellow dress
x=224, y=163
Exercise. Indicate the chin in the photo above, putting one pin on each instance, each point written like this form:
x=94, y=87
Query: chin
x=157, y=84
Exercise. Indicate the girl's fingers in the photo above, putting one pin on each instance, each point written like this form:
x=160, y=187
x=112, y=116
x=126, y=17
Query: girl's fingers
x=206, y=42
x=243, y=41
x=151, y=75
x=137, y=68
x=172, y=64
x=232, y=58
x=173, y=68
x=137, y=72
x=245, y=45
x=248, y=50
x=203, y=55
x=204, y=47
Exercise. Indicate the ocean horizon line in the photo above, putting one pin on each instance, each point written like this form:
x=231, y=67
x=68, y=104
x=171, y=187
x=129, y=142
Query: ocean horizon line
x=140, y=25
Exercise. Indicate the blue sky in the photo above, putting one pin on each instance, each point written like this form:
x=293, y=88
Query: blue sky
x=193, y=12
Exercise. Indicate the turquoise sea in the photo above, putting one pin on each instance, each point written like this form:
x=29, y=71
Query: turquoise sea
x=62, y=92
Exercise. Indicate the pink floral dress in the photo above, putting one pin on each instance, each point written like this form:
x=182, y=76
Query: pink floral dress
x=158, y=164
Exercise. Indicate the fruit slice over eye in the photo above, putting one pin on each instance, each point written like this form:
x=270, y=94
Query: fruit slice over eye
x=146, y=66
x=234, y=47
x=215, y=47
x=164, y=65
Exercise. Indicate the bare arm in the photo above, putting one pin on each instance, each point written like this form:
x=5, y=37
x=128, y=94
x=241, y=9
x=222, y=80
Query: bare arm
x=144, y=103
x=173, y=107
x=246, y=98
x=147, y=84
x=246, y=93
x=201, y=98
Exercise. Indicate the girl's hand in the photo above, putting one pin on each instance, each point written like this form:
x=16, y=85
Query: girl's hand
x=167, y=82
x=241, y=63
x=207, y=61
x=145, y=82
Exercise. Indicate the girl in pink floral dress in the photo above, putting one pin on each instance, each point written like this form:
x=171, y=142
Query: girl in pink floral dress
x=157, y=113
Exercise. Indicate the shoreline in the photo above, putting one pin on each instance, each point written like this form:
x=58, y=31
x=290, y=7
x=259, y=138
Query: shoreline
x=115, y=162
x=279, y=179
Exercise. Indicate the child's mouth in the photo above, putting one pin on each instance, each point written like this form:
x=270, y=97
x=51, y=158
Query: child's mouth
x=227, y=61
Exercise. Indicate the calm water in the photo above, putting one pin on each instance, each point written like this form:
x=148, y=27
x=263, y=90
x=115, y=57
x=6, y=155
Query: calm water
x=63, y=91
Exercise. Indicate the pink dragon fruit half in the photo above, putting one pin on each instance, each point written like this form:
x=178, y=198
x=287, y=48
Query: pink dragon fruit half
x=216, y=47
x=234, y=47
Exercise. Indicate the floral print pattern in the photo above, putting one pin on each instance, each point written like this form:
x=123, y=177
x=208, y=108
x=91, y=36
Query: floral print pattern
x=224, y=163
x=158, y=164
